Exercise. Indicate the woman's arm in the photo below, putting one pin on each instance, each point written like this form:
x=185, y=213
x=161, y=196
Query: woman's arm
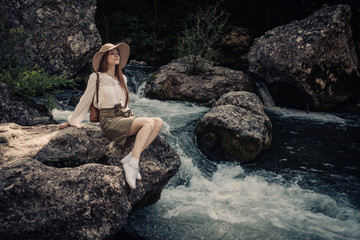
x=83, y=106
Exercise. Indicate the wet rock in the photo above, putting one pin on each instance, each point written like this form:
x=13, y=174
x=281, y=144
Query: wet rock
x=171, y=82
x=63, y=33
x=235, y=129
x=310, y=63
x=16, y=110
x=70, y=184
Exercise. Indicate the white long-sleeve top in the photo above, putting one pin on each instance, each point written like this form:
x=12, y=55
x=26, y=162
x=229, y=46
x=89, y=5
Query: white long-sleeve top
x=110, y=94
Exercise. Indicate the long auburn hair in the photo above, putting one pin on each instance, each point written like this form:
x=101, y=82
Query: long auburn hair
x=118, y=74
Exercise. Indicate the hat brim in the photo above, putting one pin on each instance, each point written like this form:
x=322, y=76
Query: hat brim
x=124, y=51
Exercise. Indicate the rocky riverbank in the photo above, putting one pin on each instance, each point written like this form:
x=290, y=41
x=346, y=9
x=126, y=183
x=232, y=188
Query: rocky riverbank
x=70, y=183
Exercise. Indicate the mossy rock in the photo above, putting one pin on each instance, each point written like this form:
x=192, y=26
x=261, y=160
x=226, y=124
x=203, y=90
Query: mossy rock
x=236, y=131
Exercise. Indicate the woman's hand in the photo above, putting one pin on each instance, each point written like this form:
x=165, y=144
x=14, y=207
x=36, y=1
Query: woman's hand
x=64, y=125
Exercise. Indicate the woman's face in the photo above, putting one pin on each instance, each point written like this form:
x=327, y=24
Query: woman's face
x=113, y=57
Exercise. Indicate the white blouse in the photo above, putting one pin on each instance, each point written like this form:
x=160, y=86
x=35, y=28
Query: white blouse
x=110, y=94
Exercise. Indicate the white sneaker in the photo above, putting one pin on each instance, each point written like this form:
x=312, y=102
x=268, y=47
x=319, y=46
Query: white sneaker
x=138, y=176
x=130, y=174
x=127, y=159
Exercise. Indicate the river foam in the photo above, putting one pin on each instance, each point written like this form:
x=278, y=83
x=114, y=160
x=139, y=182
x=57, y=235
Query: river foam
x=240, y=200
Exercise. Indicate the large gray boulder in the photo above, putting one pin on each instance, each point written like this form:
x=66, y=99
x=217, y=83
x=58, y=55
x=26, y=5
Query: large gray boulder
x=310, y=63
x=63, y=33
x=171, y=82
x=70, y=184
x=235, y=129
x=17, y=110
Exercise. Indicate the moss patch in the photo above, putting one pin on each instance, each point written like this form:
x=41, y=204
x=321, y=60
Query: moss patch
x=240, y=147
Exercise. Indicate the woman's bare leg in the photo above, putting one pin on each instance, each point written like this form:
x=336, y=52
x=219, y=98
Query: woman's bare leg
x=158, y=124
x=146, y=130
x=142, y=128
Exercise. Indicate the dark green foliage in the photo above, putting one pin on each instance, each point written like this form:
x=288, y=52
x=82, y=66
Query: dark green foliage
x=29, y=82
x=13, y=52
x=24, y=78
x=149, y=26
x=201, y=31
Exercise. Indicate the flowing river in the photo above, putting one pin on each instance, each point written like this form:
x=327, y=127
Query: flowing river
x=306, y=186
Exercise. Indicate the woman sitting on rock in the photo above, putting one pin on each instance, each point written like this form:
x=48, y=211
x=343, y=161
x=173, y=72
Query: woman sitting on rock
x=116, y=119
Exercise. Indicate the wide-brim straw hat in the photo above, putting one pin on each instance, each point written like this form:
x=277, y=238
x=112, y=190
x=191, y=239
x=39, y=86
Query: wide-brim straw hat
x=124, y=51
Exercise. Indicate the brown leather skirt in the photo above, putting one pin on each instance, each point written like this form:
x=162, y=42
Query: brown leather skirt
x=116, y=123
